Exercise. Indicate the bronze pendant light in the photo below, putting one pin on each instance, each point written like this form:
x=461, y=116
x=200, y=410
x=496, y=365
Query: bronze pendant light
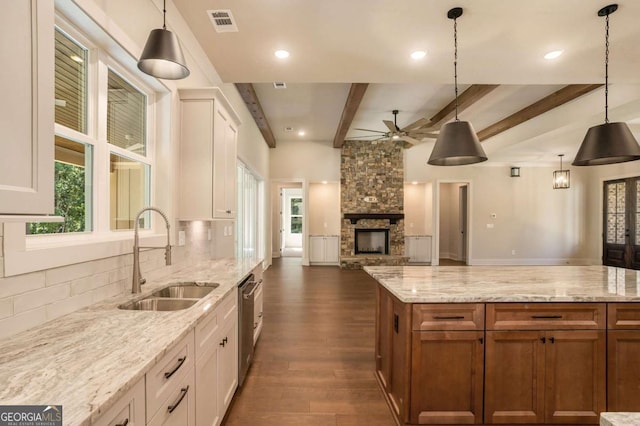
x=607, y=143
x=162, y=55
x=561, y=178
x=457, y=143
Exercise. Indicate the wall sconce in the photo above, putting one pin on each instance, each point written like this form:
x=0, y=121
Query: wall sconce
x=561, y=177
x=515, y=172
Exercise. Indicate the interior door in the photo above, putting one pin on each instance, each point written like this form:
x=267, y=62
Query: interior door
x=621, y=236
x=463, y=223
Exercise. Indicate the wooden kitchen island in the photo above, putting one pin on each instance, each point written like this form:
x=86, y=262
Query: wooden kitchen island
x=507, y=345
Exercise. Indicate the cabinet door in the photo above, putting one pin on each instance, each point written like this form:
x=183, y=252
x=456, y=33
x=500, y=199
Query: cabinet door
x=179, y=408
x=224, y=165
x=26, y=110
x=623, y=370
x=316, y=249
x=332, y=249
x=196, y=156
x=230, y=186
x=128, y=410
x=514, y=377
x=207, y=408
x=400, y=347
x=575, y=376
x=447, y=377
x=384, y=323
x=257, y=312
x=227, y=365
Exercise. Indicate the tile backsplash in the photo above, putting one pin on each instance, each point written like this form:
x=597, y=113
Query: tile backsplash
x=32, y=299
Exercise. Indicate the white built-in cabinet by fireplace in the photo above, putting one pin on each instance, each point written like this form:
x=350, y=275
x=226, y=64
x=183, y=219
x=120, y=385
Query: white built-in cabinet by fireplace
x=418, y=248
x=324, y=249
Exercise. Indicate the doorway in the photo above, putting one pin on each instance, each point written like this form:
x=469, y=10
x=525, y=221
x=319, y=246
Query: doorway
x=621, y=223
x=453, y=223
x=291, y=221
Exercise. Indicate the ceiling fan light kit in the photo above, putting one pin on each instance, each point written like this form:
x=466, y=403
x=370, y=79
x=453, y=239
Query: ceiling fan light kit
x=457, y=143
x=162, y=55
x=607, y=143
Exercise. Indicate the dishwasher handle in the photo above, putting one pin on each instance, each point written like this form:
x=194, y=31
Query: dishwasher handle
x=246, y=295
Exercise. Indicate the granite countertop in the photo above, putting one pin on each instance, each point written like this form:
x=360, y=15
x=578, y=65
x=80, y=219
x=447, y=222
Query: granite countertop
x=477, y=284
x=87, y=360
x=619, y=419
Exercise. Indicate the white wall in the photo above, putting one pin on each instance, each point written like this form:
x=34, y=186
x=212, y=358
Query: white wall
x=417, y=208
x=324, y=208
x=309, y=161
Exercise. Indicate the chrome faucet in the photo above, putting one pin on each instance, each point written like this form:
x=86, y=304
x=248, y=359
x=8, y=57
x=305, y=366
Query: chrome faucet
x=137, y=275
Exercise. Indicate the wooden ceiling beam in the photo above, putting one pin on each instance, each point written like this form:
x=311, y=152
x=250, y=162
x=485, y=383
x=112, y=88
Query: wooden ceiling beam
x=469, y=97
x=554, y=100
x=250, y=98
x=356, y=93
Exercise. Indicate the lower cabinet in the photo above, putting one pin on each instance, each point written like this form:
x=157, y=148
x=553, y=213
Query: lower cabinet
x=447, y=377
x=129, y=410
x=324, y=249
x=258, y=304
x=623, y=345
x=228, y=364
x=418, y=248
x=179, y=408
x=208, y=411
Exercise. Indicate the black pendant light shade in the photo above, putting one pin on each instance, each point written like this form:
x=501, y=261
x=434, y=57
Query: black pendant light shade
x=608, y=143
x=457, y=145
x=162, y=55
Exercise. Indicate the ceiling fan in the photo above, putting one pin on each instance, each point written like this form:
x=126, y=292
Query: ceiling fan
x=412, y=133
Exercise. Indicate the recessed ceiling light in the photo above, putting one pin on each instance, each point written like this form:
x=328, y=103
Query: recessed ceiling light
x=553, y=54
x=282, y=54
x=301, y=133
x=418, y=54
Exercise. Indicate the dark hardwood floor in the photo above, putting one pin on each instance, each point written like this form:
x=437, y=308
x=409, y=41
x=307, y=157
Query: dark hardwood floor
x=314, y=362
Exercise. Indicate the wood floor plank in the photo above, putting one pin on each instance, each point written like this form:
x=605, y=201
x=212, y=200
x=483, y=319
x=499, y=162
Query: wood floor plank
x=314, y=362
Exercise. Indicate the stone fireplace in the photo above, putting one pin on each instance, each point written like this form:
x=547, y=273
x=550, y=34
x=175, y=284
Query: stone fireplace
x=372, y=204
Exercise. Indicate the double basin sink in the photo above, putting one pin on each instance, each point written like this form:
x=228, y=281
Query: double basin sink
x=174, y=297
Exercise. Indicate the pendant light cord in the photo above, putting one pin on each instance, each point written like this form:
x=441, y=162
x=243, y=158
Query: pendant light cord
x=164, y=15
x=606, y=72
x=455, y=61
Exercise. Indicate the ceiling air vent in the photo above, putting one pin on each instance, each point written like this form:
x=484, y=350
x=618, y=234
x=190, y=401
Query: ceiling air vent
x=288, y=129
x=223, y=21
x=280, y=85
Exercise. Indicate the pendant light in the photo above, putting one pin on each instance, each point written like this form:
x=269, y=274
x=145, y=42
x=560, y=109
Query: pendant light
x=561, y=177
x=162, y=55
x=607, y=143
x=457, y=143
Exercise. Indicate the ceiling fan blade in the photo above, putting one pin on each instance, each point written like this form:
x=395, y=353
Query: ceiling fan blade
x=409, y=139
x=390, y=125
x=364, y=136
x=430, y=135
x=369, y=130
x=418, y=123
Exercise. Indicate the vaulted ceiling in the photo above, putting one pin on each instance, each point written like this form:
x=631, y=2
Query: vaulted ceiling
x=350, y=66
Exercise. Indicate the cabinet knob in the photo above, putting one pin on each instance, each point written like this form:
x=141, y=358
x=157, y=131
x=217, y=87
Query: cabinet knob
x=552, y=339
x=543, y=339
x=125, y=423
x=481, y=340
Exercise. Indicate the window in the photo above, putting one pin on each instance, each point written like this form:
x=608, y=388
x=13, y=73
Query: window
x=103, y=164
x=249, y=213
x=296, y=215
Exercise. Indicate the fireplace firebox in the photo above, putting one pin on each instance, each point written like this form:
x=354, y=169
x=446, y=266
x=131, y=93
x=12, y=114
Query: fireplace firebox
x=371, y=241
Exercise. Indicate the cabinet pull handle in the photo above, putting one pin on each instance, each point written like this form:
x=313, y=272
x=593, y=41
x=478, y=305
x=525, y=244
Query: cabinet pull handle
x=255, y=325
x=552, y=339
x=452, y=317
x=180, y=362
x=260, y=315
x=183, y=393
x=543, y=339
x=546, y=316
x=224, y=342
x=125, y=423
x=481, y=340
x=396, y=323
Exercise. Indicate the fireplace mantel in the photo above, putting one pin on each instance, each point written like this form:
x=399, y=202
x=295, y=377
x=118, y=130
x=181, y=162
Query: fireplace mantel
x=393, y=217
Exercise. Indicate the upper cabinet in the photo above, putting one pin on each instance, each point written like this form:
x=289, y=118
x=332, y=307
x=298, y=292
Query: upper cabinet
x=27, y=108
x=209, y=131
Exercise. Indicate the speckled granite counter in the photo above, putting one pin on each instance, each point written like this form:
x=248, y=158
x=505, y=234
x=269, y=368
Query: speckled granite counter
x=620, y=419
x=86, y=360
x=476, y=284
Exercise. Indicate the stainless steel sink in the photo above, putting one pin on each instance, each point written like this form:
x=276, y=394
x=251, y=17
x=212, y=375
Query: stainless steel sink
x=186, y=290
x=158, y=304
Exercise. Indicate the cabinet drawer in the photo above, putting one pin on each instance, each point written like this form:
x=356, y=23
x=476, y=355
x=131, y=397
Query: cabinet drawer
x=179, y=407
x=162, y=379
x=624, y=316
x=206, y=333
x=448, y=317
x=228, y=309
x=128, y=410
x=546, y=316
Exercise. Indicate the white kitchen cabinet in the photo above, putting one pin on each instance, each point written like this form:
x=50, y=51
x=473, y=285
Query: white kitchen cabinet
x=216, y=362
x=179, y=408
x=258, y=310
x=418, y=248
x=128, y=410
x=27, y=108
x=208, y=138
x=324, y=249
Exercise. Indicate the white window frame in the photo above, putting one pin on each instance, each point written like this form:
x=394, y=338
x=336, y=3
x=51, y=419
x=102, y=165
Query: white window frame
x=28, y=253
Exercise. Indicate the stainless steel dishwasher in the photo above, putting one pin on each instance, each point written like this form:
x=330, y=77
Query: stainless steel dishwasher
x=246, y=289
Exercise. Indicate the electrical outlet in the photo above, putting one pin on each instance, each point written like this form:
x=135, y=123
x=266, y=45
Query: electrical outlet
x=209, y=234
x=513, y=252
x=490, y=225
x=224, y=231
x=182, y=238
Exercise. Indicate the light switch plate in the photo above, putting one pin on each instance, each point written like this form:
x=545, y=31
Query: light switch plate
x=181, y=238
